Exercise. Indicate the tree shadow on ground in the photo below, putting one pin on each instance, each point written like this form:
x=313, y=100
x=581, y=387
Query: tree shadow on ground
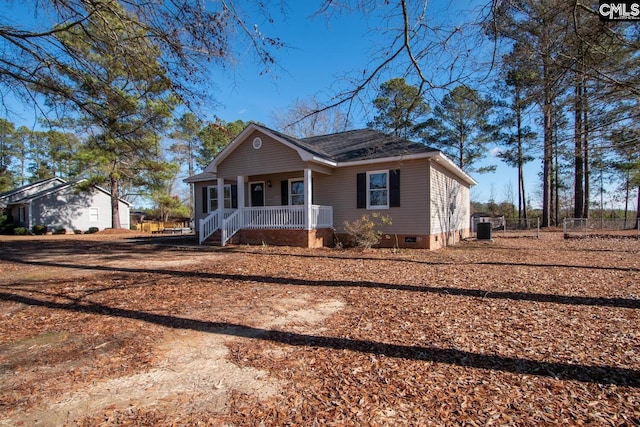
x=616, y=302
x=608, y=375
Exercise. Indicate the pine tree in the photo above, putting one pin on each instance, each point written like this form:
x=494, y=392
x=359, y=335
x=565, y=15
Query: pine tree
x=460, y=127
x=121, y=108
x=400, y=108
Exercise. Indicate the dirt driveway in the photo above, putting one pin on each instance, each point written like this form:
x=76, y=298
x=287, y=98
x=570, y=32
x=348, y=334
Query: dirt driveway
x=129, y=330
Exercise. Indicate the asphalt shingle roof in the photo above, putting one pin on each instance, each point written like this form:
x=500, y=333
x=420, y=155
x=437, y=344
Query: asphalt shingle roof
x=362, y=144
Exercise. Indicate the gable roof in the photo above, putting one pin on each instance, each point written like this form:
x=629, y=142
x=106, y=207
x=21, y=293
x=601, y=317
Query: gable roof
x=60, y=185
x=363, y=146
x=11, y=196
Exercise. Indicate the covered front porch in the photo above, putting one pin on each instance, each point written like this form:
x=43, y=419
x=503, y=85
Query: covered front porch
x=249, y=218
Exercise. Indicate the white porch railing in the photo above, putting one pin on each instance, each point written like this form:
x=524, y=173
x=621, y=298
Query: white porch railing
x=286, y=217
x=264, y=217
x=321, y=216
x=211, y=223
x=231, y=225
x=208, y=226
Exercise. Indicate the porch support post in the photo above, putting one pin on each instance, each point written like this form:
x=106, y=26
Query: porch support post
x=307, y=199
x=240, y=192
x=220, y=200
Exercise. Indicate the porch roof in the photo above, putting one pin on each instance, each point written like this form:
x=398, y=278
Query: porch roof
x=204, y=176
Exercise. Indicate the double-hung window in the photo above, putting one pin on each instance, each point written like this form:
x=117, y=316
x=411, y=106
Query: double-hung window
x=378, y=190
x=296, y=193
x=213, y=197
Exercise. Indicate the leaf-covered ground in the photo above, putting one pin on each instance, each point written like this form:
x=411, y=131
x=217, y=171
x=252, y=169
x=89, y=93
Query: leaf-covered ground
x=117, y=330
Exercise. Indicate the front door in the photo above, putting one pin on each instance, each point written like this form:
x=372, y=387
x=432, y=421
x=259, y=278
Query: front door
x=257, y=193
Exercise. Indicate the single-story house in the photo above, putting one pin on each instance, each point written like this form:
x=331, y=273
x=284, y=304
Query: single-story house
x=267, y=187
x=59, y=204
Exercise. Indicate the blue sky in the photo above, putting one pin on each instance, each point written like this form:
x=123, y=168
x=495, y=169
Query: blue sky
x=321, y=51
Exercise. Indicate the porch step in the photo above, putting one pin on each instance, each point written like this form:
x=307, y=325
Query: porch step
x=214, y=240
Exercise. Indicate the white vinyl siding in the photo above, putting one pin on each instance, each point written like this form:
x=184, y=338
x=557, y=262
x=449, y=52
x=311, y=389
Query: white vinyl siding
x=449, y=202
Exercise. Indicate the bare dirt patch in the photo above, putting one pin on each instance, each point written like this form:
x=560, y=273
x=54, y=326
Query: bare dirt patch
x=119, y=330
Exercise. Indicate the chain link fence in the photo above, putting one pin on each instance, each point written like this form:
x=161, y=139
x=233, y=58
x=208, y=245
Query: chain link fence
x=601, y=227
x=509, y=227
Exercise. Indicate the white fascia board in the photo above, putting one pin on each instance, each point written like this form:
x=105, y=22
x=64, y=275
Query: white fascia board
x=389, y=159
x=438, y=156
x=446, y=162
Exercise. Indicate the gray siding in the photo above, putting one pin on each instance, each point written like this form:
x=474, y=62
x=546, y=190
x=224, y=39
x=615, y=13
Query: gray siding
x=272, y=157
x=448, y=192
x=76, y=210
x=339, y=190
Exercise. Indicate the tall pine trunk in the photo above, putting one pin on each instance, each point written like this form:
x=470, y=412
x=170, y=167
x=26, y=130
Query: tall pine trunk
x=547, y=157
x=115, y=205
x=578, y=150
x=587, y=166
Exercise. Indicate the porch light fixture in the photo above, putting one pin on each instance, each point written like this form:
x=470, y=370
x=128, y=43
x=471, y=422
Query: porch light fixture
x=269, y=183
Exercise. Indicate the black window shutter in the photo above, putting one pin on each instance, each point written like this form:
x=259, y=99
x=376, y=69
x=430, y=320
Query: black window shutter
x=284, y=192
x=205, y=200
x=394, y=188
x=362, y=190
x=234, y=196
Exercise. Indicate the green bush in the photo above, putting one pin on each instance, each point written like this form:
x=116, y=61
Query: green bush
x=6, y=224
x=77, y=231
x=133, y=228
x=92, y=230
x=20, y=231
x=39, y=229
x=365, y=231
x=60, y=230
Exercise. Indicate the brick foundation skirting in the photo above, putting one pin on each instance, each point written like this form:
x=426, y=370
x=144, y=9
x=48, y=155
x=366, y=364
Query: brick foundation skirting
x=300, y=238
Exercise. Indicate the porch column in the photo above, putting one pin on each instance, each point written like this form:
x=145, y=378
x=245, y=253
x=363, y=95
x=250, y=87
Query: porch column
x=240, y=194
x=220, y=201
x=307, y=199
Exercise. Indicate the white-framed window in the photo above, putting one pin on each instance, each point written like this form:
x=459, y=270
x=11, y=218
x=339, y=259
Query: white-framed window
x=378, y=189
x=94, y=215
x=22, y=214
x=296, y=191
x=213, y=197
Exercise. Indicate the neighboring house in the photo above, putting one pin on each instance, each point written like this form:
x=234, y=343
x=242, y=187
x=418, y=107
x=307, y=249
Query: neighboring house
x=58, y=204
x=267, y=187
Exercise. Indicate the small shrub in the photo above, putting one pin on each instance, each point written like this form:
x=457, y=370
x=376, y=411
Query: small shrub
x=133, y=227
x=20, y=231
x=6, y=224
x=60, y=230
x=77, y=231
x=365, y=230
x=39, y=229
x=92, y=230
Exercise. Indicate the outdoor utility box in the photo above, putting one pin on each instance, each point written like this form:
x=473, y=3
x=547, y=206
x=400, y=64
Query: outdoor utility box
x=483, y=231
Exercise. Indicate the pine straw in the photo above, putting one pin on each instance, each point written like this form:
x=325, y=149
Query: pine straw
x=514, y=332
